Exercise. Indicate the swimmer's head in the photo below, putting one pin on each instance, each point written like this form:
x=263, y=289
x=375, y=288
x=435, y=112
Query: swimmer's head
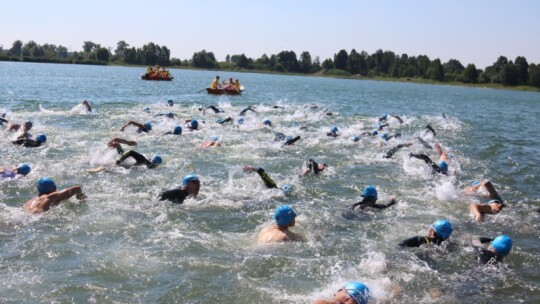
x=156, y=159
x=170, y=115
x=147, y=110
x=23, y=169
x=502, y=244
x=355, y=138
x=358, y=291
x=28, y=125
x=240, y=121
x=177, y=130
x=374, y=132
x=194, y=124
x=287, y=189
x=267, y=122
x=443, y=229
x=45, y=185
x=41, y=138
x=170, y=102
x=284, y=216
x=384, y=136
x=189, y=178
x=148, y=126
x=288, y=137
x=213, y=138
x=443, y=165
x=370, y=192
x=334, y=129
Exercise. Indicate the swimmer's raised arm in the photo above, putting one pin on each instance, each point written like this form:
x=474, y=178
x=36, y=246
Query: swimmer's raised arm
x=113, y=143
x=133, y=123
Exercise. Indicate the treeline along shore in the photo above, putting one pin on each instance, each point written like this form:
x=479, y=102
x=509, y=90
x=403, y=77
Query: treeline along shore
x=506, y=73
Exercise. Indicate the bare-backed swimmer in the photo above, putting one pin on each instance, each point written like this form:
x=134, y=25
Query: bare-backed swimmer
x=48, y=196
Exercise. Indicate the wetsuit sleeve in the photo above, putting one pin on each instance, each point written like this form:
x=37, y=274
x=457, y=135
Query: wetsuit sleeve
x=487, y=257
x=484, y=239
x=139, y=158
x=416, y=241
x=119, y=149
x=394, y=150
x=266, y=178
x=381, y=206
x=292, y=141
x=29, y=143
x=176, y=196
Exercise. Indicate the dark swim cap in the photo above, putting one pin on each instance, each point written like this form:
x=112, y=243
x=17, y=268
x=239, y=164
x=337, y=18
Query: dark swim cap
x=177, y=130
x=46, y=185
x=41, y=138
x=23, y=169
x=170, y=102
x=148, y=126
x=194, y=124
x=284, y=215
x=443, y=165
x=157, y=159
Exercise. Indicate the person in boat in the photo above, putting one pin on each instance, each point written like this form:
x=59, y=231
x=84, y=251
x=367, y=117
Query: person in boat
x=313, y=167
x=284, y=217
x=191, y=124
x=493, y=206
x=237, y=85
x=350, y=293
x=370, y=197
x=48, y=196
x=390, y=153
x=215, y=85
x=21, y=169
x=229, y=85
x=176, y=131
x=268, y=181
x=491, y=251
x=190, y=187
x=439, y=232
x=86, y=104
x=30, y=143
x=146, y=127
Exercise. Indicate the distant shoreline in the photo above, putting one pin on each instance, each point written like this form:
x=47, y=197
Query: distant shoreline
x=496, y=86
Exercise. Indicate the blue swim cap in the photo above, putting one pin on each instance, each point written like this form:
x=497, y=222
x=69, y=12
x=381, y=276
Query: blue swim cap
x=358, y=291
x=370, y=192
x=147, y=110
x=287, y=189
x=443, y=165
x=502, y=244
x=240, y=121
x=23, y=169
x=213, y=138
x=384, y=136
x=288, y=137
x=189, y=178
x=41, y=138
x=148, y=126
x=177, y=130
x=267, y=122
x=284, y=215
x=475, y=182
x=375, y=132
x=334, y=129
x=194, y=124
x=384, y=116
x=157, y=159
x=46, y=185
x=443, y=228
x=355, y=138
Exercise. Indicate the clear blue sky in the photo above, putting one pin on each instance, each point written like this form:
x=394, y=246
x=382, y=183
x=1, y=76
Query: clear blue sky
x=471, y=31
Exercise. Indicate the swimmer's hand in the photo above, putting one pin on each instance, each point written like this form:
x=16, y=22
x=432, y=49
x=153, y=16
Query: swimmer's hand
x=80, y=196
x=249, y=169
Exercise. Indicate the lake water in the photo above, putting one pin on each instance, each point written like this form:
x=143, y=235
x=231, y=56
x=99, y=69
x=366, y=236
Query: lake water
x=122, y=245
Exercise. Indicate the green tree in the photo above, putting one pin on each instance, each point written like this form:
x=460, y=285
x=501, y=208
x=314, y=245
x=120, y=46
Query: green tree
x=16, y=48
x=509, y=74
x=316, y=66
x=327, y=64
x=305, y=62
x=228, y=58
x=423, y=64
x=37, y=51
x=341, y=60
x=204, y=59
x=89, y=46
x=102, y=54
x=50, y=51
x=522, y=69
x=534, y=75
x=243, y=62
x=120, y=50
x=61, y=51
x=470, y=74
x=354, y=62
x=130, y=55
x=436, y=70
x=288, y=60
